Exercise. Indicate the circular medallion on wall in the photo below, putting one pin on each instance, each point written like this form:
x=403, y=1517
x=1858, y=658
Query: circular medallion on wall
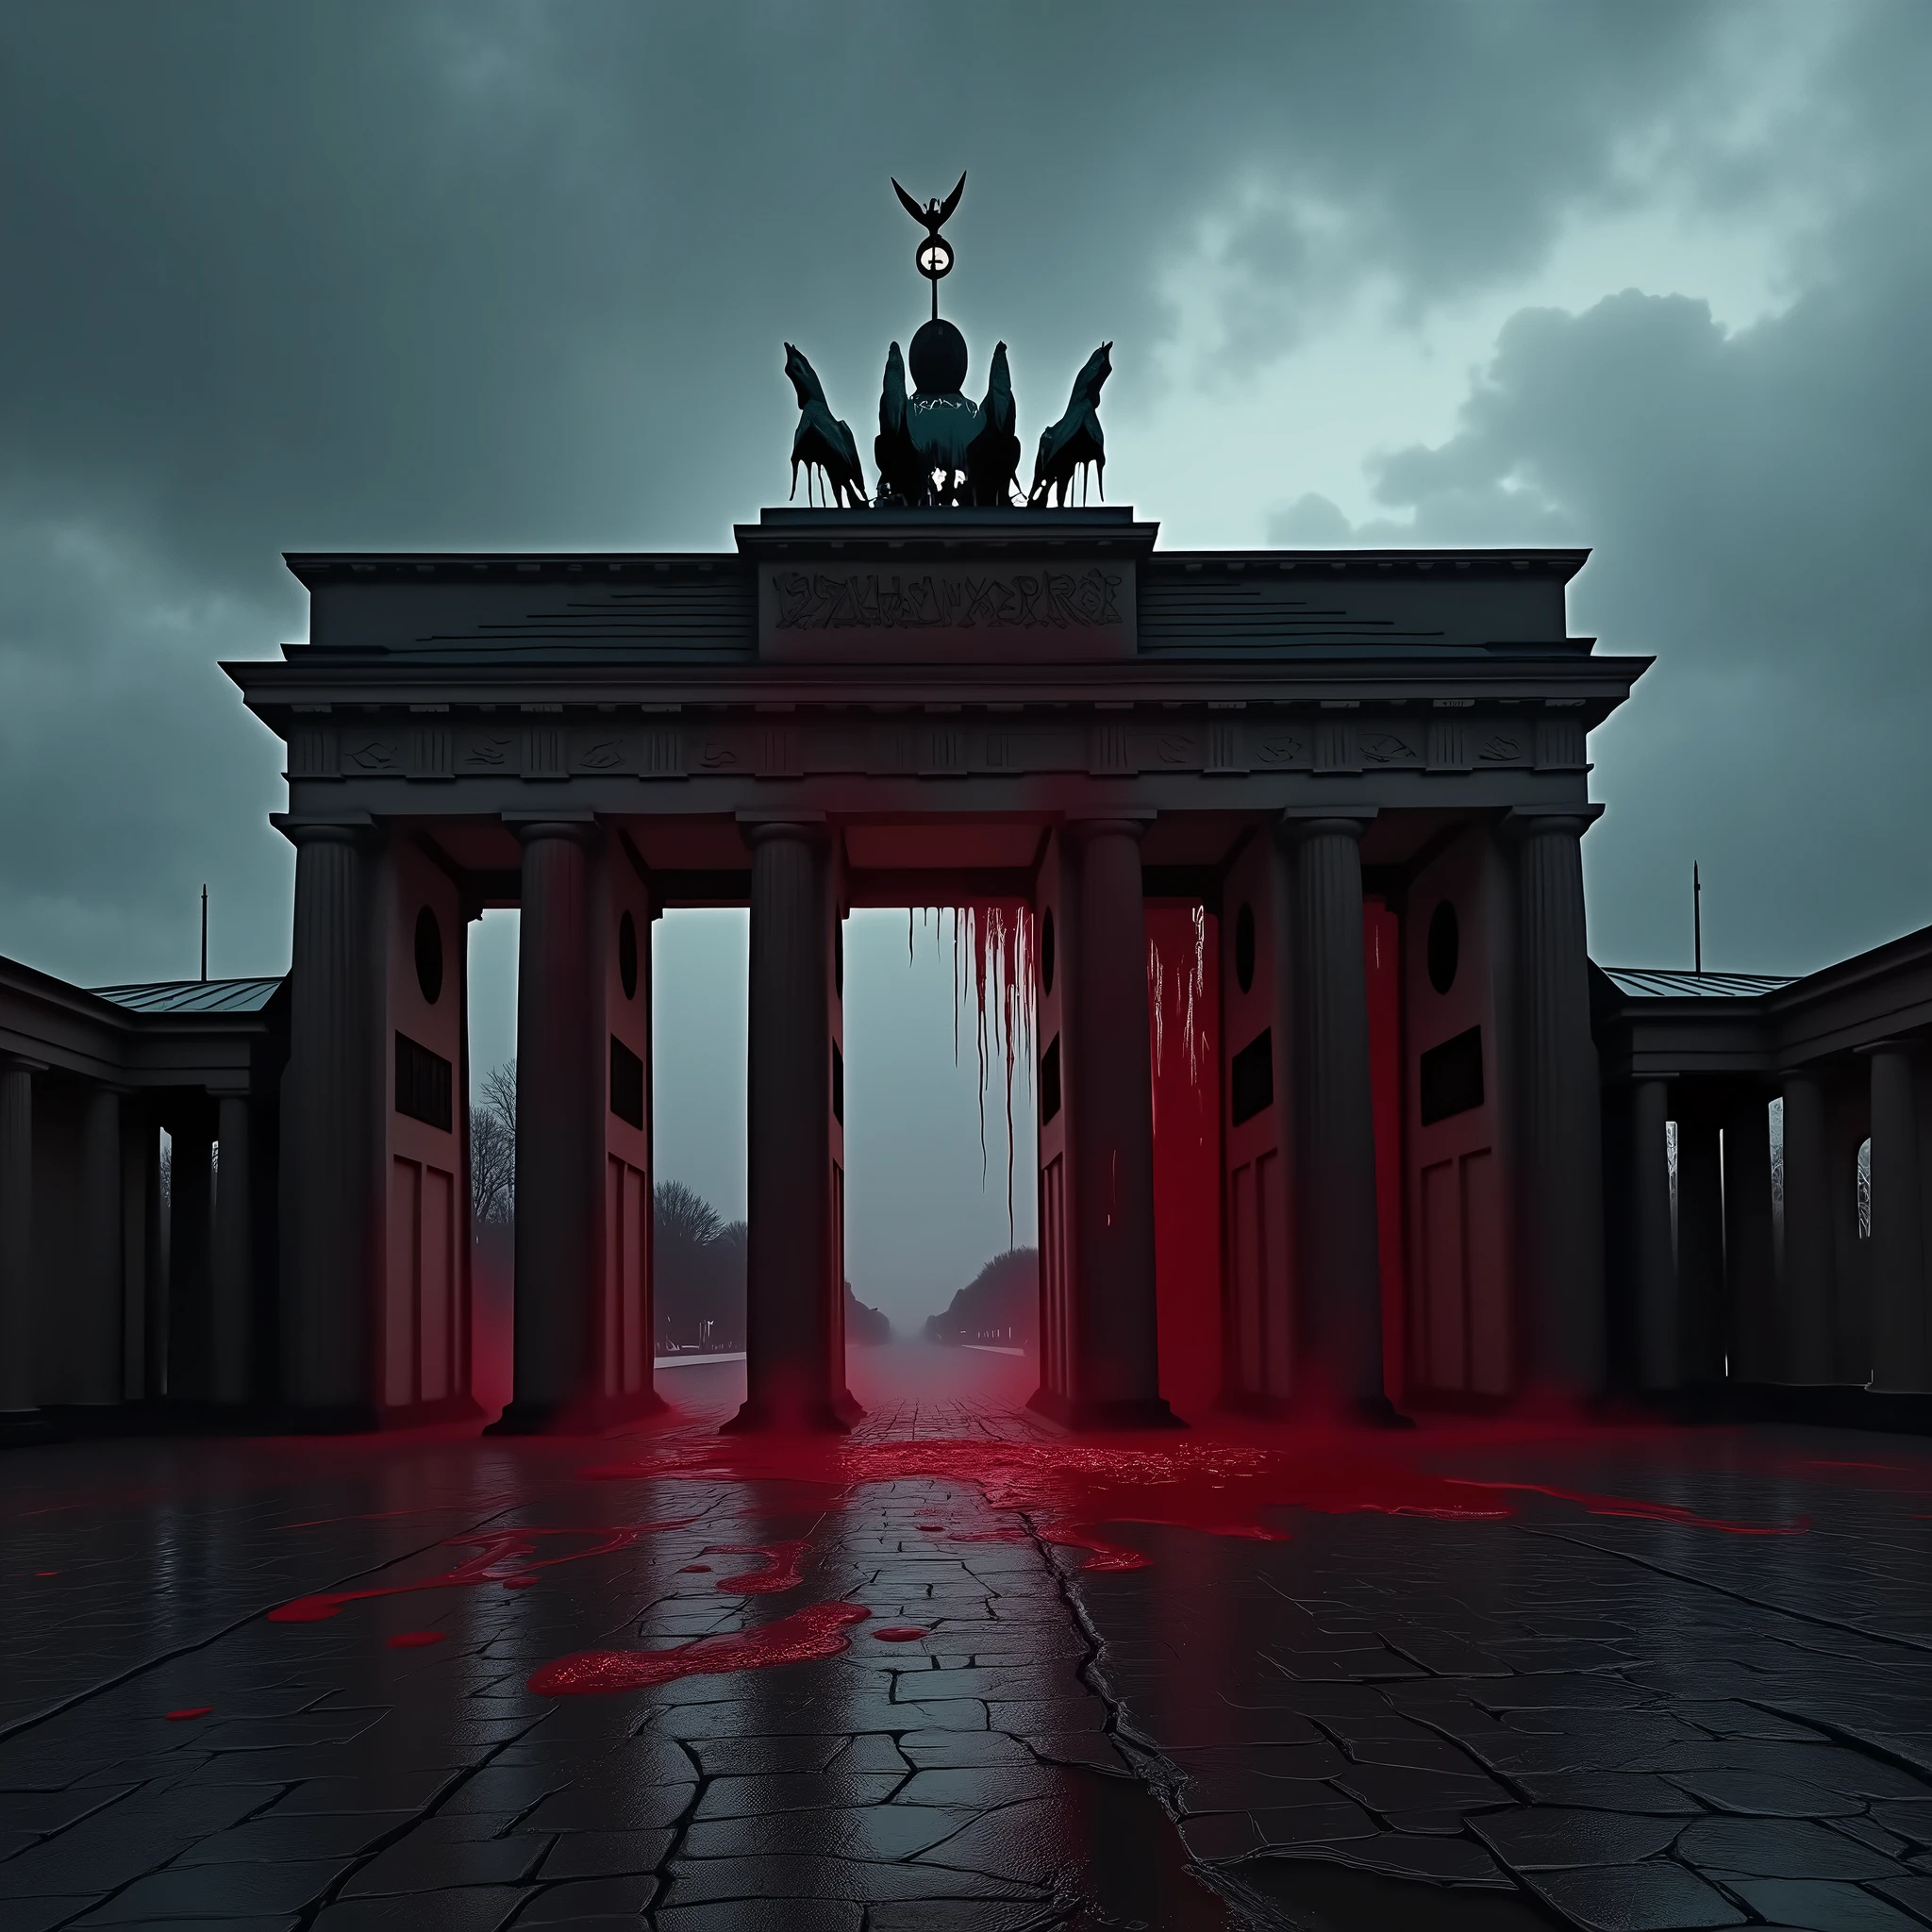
x=1046, y=950
x=627, y=955
x=428, y=955
x=1245, y=947
x=1444, y=946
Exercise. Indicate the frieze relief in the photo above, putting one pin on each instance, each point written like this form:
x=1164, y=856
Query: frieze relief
x=486, y=752
x=1103, y=743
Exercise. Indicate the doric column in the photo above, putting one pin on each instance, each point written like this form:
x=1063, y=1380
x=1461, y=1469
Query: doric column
x=1109, y=1096
x=1652, y=1253
x=16, y=1236
x=1898, y=1237
x=559, y=1127
x=1339, y=1284
x=1750, y=1251
x=96, y=1311
x=231, y=1270
x=1703, y=1330
x=1557, y=1142
x=154, y=1243
x=1806, y=1279
x=190, y=1202
x=795, y=1327
x=331, y=1142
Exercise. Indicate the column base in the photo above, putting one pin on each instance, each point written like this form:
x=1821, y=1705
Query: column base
x=599, y=1416
x=20, y=1429
x=831, y=1418
x=1134, y=1413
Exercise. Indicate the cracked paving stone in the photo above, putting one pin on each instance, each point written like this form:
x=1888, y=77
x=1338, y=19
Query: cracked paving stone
x=1779, y=1848
x=1765, y=1794
x=1656, y=1896
x=1653, y=1724
x=1820, y=1901
x=1553, y=1839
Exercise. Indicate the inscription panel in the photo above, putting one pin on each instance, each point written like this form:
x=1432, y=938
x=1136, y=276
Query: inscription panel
x=1082, y=608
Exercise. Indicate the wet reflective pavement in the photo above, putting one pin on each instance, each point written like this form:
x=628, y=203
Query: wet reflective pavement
x=968, y=1671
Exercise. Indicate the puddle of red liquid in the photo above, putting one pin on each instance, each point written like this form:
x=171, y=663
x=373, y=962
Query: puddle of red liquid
x=505, y=1556
x=416, y=1640
x=899, y=1633
x=695, y=1569
x=1064, y=1489
x=176, y=1717
x=803, y=1637
x=784, y=1560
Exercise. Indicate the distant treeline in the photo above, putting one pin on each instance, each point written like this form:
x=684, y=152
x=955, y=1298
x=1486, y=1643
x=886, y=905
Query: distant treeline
x=998, y=1308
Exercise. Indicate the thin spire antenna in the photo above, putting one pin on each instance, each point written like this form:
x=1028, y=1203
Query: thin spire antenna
x=1696, y=920
x=204, y=935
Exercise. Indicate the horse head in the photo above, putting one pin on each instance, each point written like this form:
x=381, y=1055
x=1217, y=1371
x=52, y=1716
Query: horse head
x=1093, y=373
x=804, y=381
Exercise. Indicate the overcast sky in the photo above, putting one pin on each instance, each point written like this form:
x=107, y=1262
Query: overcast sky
x=1652, y=279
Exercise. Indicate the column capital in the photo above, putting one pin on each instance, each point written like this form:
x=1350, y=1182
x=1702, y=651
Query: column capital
x=20, y=1063
x=1888, y=1046
x=317, y=828
x=1529, y=822
x=1121, y=825
x=1307, y=821
x=762, y=828
x=581, y=829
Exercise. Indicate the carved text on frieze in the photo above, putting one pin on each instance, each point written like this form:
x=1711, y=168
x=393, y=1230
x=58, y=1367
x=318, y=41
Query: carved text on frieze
x=872, y=600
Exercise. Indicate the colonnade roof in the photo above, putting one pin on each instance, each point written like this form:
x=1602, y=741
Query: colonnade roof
x=1668, y=1025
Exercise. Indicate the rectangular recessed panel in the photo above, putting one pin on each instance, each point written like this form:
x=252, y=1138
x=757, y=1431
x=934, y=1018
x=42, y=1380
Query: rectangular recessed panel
x=1483, y=1251
x=1050, y=1080
x=425, y=1083
x=1272, y=1283
x=437, y=1289
x=637, y=1235
x=1251, y=1077
x=1443, y=1314
x=400, y=1289
x=610, y=1348
x=1247, y=1280
x=1052, y=1275
x=837, y=1084
x=626, y=1084
x=1450, y=1077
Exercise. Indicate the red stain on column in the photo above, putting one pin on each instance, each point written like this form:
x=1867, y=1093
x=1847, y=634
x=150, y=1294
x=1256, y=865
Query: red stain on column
x=1184, y=1024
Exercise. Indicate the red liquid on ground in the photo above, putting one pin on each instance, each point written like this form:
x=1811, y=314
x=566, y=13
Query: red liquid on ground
x=784, y=1573
x=416, y=1640
x=899, y=1633
x=505, y=1557
x=192, y=1710
x=803, y=1637
x=1063, y=1490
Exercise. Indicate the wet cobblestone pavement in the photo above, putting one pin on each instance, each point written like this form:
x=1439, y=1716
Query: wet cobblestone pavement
x=1634, y=1678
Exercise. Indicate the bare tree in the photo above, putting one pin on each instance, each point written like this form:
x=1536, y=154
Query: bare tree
x=681, y=1213
x=493, y=1148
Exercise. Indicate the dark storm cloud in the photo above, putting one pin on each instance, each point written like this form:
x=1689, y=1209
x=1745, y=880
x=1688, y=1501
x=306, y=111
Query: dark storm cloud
x=1758, y=502
x=412, y=276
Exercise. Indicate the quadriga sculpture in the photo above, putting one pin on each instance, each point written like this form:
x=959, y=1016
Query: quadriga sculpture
x=992, y=457
x=821, y=443
x=1076, y=440
x=901, y=476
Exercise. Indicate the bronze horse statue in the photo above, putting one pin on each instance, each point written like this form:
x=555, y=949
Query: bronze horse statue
x=1076, y=440
x=822, y=443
